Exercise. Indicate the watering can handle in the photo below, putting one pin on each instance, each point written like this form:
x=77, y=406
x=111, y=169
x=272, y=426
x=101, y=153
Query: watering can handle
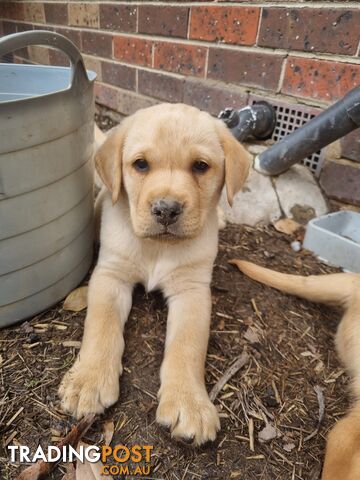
x=48, y=39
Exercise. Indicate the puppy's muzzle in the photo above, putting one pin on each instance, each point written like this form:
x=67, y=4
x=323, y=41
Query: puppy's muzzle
x=166, y=211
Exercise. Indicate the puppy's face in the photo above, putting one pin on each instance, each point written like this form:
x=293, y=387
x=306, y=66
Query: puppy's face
x=172, y=161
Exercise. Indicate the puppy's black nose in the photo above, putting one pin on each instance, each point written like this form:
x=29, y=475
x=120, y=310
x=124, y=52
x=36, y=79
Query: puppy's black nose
x=166, y=210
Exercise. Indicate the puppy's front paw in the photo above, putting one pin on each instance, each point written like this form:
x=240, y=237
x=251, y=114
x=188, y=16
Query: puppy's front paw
x=89, y=389
x=190, y=415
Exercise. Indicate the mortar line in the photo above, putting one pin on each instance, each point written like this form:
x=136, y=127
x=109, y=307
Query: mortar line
x=259, y=27
x=258, y=3
x=282, y=73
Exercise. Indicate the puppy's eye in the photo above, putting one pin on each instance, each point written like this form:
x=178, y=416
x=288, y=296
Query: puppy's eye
x=141, y=165
x=200, y=167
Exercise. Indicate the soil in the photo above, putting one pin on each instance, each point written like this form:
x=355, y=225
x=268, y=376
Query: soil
x=291, y=353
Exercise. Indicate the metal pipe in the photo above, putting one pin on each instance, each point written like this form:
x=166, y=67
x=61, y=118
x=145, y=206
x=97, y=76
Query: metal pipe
x=253, y=121
x=333, y=123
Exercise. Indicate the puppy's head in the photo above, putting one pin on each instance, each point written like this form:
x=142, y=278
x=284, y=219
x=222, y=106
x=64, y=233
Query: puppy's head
x=171, y=161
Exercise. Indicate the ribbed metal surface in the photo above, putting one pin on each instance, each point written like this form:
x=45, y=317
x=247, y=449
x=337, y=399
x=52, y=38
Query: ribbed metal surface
x=46, y=185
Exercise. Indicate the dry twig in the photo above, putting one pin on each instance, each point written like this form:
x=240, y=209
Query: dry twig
x=229, y=373
x=41, y=469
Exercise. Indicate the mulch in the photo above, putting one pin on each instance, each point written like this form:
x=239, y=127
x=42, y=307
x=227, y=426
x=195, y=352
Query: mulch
x=291, y=359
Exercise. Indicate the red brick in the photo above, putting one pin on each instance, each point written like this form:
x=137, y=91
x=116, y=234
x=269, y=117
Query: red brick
x=12, y=10
x=226, y=24
x=245, y=68
x=8, y=27
x=161, y=20
x=106, y=95
x=133, y=50
x=212, y=96
x=340, y=180
x=311, y=29
x=180, y=58
x=34, y=12
x=124, y=102
x=319, y=79
x=71, y=34
x=84, y=14
x=96, y=43
x=120, y=18
x=131, y=102
x=56, y=57
x=350, y=145
x=56, y=13
x=164, y=87
x=118, y=75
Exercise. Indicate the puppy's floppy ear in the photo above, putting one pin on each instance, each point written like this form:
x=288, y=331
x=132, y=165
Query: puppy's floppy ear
x=237, y=161
x=108, y=159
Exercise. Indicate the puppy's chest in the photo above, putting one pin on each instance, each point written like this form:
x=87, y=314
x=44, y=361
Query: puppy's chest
x=157, y=272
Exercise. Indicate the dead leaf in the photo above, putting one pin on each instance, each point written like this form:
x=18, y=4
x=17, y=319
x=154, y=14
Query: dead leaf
x=88, y=470
x=76, y=300
x=287, y=226
x=108, y=431
x=267, y=433
x=251, y=336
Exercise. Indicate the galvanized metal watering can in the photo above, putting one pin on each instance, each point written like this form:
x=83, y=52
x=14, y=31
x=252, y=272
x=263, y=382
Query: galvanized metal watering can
x=46, y=177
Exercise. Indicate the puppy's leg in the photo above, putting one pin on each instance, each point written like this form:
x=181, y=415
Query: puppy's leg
x=92, y=384
x=184, y=404
x=342, y=458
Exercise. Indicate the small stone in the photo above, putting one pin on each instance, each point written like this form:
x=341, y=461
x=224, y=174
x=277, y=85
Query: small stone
x=288, y=447
x=33, y=338
x=251, y=336
x=296, y=246
x=267, y=433
x=270, y=399
x=299, y=194
x=27, y=328
x=257, y=203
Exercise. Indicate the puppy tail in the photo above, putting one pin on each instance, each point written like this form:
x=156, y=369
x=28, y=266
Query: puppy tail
x=333, y=289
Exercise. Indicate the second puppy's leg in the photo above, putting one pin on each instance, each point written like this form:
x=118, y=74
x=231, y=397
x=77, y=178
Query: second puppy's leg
x=342, y=459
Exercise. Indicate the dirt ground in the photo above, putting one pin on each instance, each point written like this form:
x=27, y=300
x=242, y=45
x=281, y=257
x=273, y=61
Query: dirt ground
x=291, y=353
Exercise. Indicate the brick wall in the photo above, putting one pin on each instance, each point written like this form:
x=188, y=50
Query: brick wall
x=207, y=53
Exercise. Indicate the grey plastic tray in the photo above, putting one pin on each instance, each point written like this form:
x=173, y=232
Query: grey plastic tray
x=335, y=239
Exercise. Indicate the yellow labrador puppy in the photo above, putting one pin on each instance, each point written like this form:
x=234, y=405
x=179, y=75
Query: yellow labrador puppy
x=164, y=168
x=342, y=459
